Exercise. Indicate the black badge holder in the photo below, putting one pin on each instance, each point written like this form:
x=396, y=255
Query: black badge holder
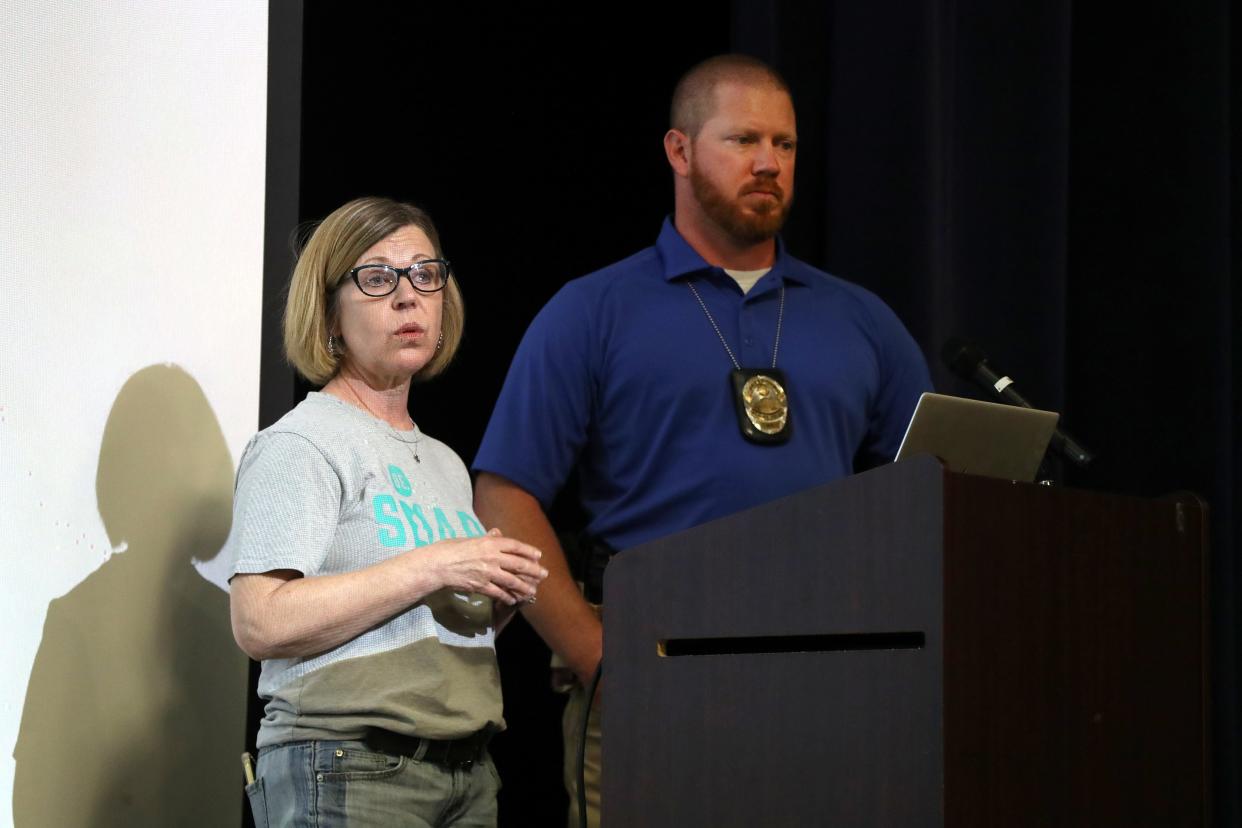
x=738, y=378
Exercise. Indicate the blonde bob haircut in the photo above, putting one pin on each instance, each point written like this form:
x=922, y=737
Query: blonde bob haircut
x=324, y=262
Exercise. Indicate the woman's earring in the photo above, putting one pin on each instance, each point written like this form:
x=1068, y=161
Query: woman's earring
x=440, y=340
x=334, y=347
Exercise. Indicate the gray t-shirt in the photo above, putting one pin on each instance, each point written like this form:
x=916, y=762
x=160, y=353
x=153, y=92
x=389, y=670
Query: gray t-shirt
x=331, y=489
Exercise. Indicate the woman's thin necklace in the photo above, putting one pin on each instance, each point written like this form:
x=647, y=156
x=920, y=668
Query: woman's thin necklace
x=371, y=411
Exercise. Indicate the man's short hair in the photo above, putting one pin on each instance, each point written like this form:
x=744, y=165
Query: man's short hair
x=694, y=97
x=324, y=262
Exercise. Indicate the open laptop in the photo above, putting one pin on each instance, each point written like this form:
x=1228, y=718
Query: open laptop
x=976, y=437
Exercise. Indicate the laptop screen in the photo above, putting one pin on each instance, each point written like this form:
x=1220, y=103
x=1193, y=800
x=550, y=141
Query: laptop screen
x=982, y=438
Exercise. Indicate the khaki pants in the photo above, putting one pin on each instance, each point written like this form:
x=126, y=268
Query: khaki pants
x=571, y=729
x=571, y=733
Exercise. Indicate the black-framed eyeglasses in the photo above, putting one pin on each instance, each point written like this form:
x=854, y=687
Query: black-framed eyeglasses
x=427, y=276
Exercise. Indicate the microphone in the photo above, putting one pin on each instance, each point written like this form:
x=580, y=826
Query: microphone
x=969, y=363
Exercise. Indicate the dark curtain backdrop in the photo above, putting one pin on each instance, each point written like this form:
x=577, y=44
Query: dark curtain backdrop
x=1055, y=181
x=1052, y=180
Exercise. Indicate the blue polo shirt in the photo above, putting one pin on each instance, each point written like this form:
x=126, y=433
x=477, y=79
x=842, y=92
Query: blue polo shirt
x=622, y=374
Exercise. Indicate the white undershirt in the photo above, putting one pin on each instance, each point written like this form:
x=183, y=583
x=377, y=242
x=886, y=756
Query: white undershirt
x=746, y=278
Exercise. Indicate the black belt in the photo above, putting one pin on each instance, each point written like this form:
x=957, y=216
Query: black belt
x=593, y=555
x=452, y=753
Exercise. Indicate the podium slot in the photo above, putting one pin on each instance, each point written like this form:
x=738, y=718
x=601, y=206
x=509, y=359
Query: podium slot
x=754, y=645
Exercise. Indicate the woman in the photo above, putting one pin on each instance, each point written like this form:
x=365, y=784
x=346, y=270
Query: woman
x=362, y=579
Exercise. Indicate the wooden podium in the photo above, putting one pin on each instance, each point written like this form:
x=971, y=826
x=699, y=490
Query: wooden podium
x=912, y=647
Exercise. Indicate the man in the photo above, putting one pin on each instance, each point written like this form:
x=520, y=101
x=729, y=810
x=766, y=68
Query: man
x=699, y=377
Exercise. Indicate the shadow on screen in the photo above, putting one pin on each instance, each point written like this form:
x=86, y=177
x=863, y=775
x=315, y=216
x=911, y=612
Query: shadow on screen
x=134, y=713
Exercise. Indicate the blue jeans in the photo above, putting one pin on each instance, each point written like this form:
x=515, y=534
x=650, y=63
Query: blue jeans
x=338, y=784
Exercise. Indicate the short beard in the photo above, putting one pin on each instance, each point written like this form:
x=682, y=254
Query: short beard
x=743, y=226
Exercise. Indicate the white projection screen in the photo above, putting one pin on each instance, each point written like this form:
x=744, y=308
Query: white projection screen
x=132, y=137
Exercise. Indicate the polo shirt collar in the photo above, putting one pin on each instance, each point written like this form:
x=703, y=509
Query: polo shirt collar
x=678, y=258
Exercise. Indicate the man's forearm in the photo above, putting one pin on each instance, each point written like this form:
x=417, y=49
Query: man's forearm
x=561, y=616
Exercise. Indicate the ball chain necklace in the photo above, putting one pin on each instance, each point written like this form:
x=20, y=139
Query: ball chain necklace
x=758, y=393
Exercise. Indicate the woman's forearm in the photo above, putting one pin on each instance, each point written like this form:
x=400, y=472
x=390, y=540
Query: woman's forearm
x=281, y=614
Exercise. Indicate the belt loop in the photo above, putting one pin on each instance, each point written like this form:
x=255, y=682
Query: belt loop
x=421, y=750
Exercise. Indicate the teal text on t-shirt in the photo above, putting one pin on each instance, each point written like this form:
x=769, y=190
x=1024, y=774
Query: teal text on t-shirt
x=393, y=515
